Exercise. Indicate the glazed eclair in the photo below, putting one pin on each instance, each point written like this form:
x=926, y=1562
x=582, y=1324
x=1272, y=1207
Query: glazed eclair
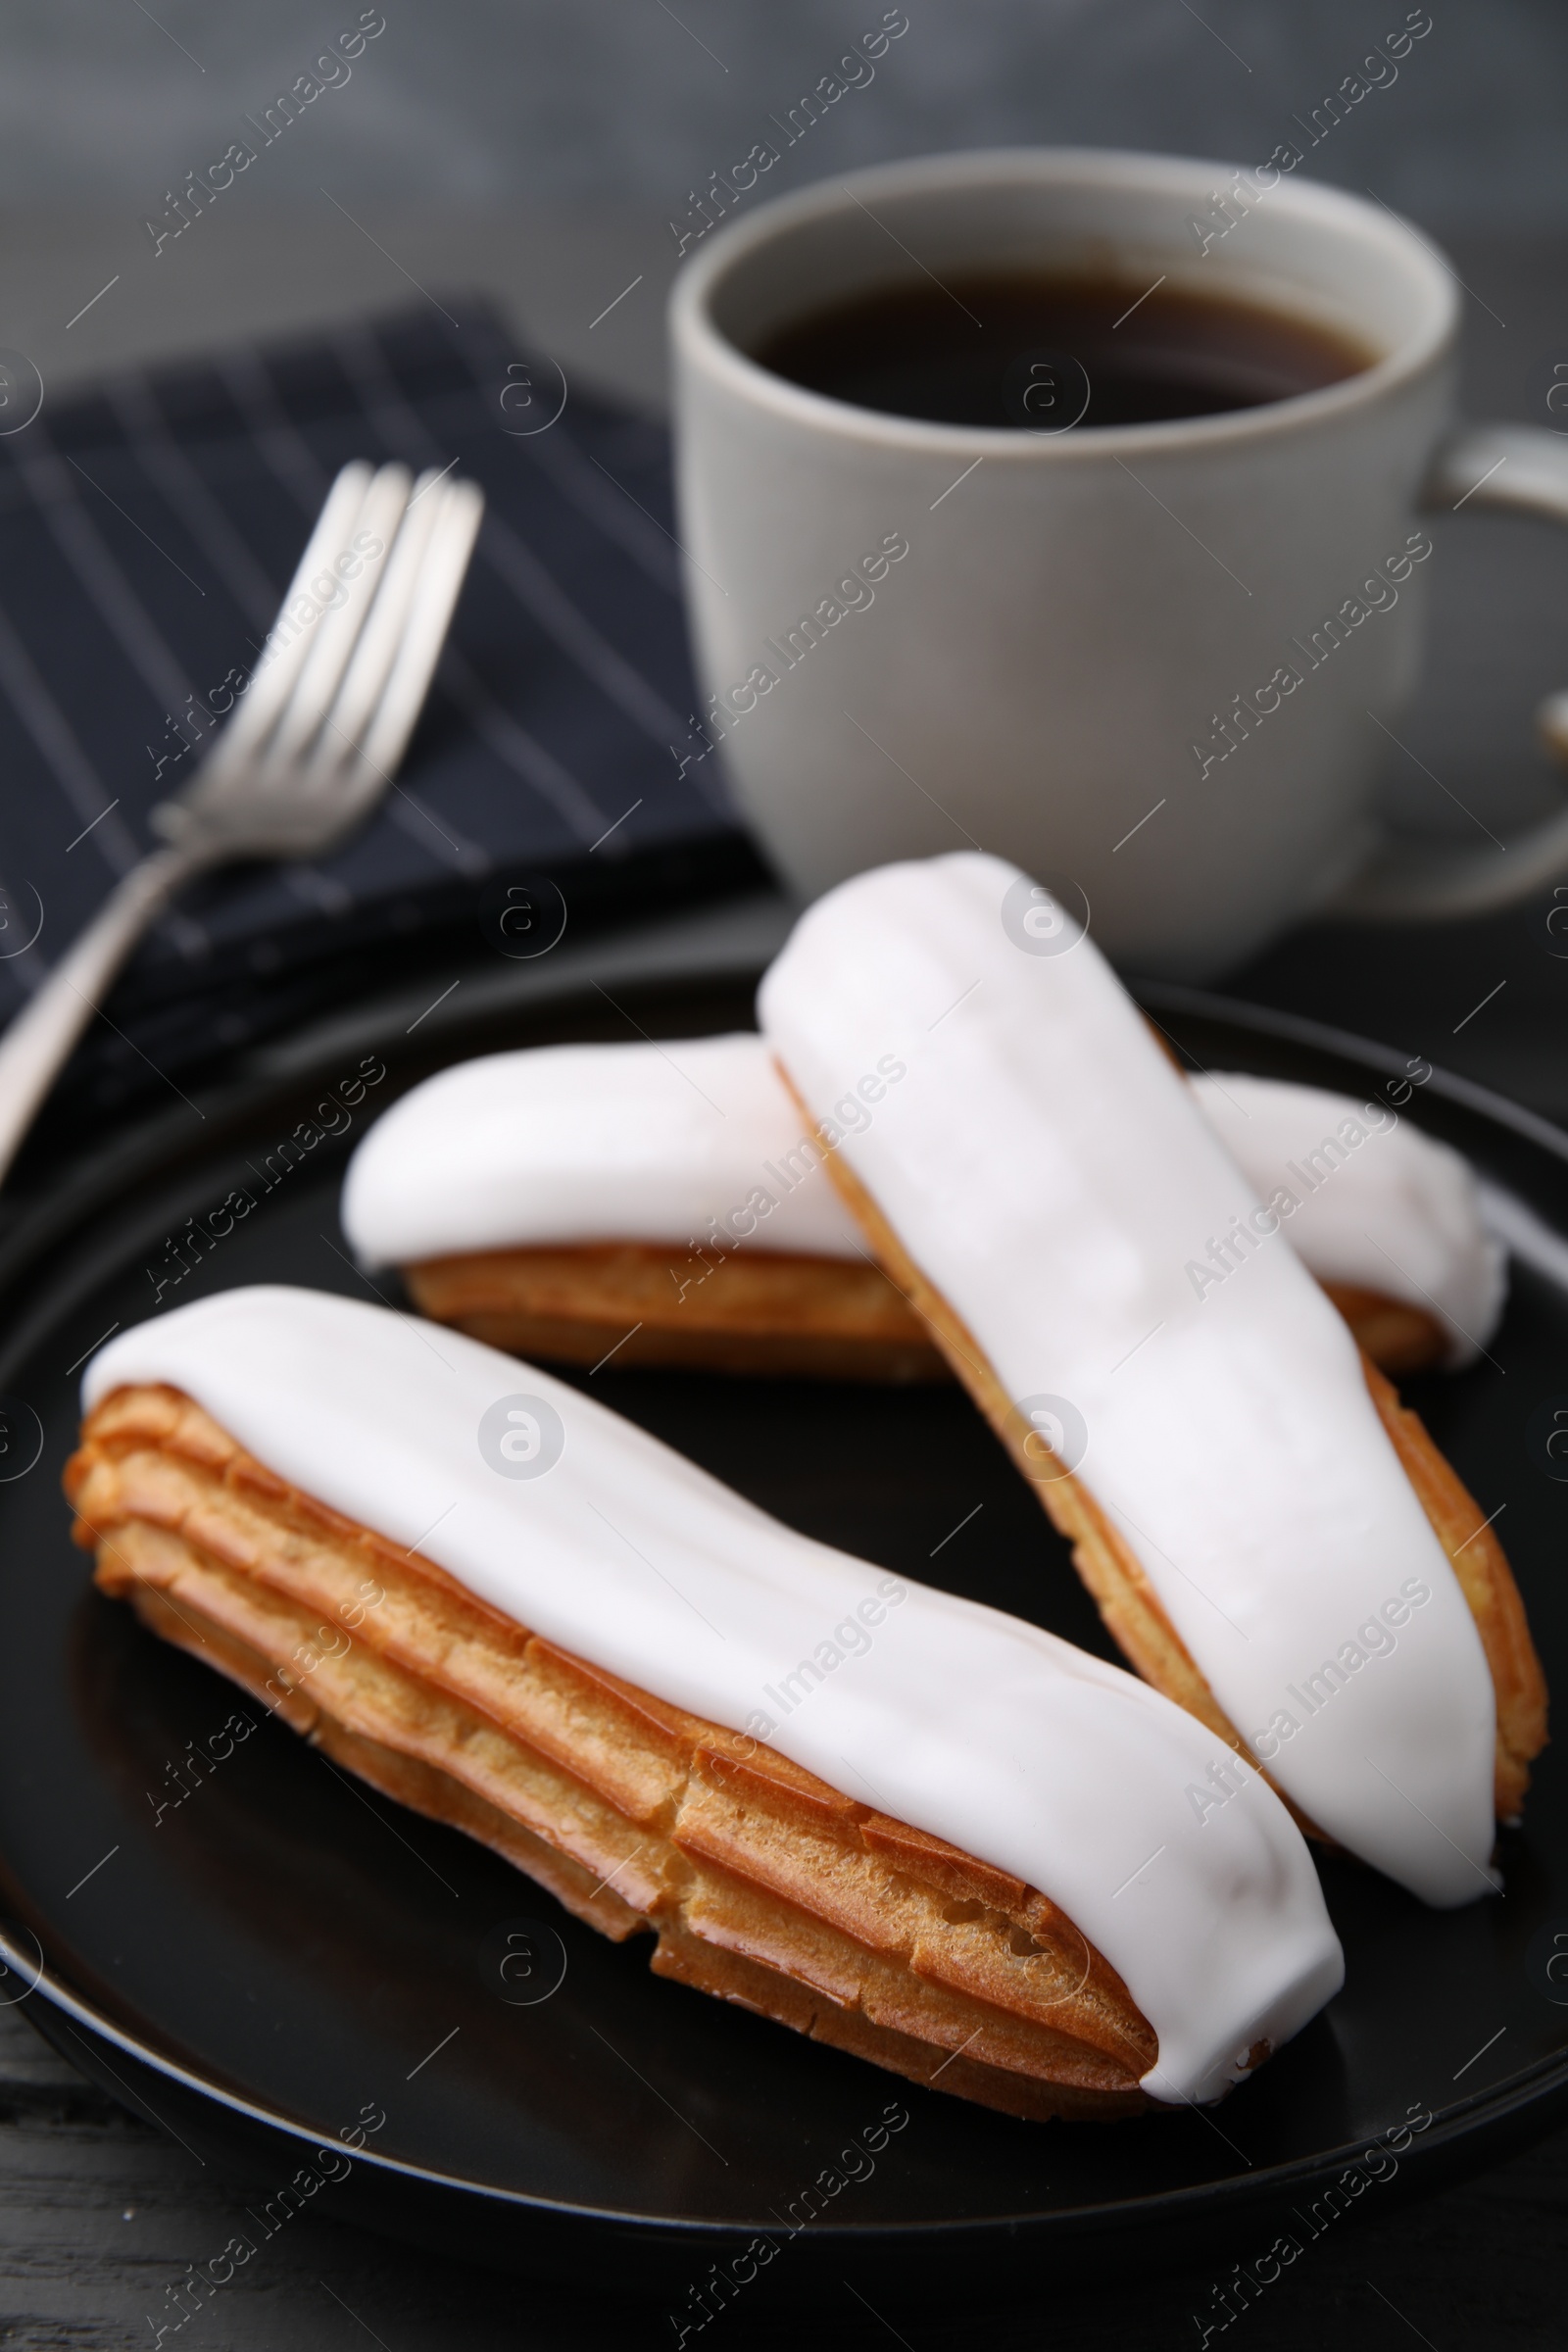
x=661, y=1201
x=891, y=1817
x=1274, y=1543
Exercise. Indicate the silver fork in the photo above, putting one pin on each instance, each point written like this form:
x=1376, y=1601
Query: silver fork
x=306, y=755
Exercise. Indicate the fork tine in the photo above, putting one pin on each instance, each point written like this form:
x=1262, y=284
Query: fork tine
x=374, y=652
x=425, y=631
x=273, y=680
x=332, y=638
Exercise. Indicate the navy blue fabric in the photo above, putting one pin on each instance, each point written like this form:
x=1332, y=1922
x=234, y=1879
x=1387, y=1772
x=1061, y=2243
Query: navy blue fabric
x=147, y=531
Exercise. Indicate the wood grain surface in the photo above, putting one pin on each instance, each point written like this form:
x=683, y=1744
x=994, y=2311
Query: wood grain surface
x=100, y=2215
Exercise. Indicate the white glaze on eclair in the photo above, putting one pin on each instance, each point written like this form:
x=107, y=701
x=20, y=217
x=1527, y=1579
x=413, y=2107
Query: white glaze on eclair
x=697, y=1142
x=1381, y=1205
x=958, y=1720
x=1051, y=1175
x=564, y=1144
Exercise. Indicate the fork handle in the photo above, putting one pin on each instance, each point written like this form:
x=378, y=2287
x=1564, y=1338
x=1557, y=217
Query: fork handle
x=38, y=1044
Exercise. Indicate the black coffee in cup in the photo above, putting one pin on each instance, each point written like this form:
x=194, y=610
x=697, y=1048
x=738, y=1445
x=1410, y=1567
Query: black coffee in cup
x=1048, y=354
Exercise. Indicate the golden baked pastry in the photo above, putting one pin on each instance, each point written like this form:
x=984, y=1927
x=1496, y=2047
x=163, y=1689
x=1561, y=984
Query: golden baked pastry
x=761, y=1883
x=784, y=1317
x=1397, y=1336
x=755, y=1312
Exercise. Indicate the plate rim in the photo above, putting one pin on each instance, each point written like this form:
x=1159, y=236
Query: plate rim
x=1520, y=2106
x=1267, y=2187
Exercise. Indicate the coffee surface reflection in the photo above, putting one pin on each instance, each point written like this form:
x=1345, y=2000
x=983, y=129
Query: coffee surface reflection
x=1043, y=354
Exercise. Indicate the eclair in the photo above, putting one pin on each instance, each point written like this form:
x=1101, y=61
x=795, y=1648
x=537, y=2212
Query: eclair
x=899, y=1822
x=1392, y=1222
x=1274, y=1541
x=662, y=1204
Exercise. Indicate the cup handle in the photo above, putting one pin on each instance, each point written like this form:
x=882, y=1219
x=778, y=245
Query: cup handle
x=1524, y=470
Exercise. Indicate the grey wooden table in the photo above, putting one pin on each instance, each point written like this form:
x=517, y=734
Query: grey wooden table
x=100, y=2215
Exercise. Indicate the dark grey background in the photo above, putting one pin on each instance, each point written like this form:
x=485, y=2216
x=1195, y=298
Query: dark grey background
x=624, y=101
x=541, y=147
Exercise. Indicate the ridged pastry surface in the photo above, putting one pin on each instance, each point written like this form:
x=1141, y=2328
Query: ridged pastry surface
x=967, y=1725
x=762, y=1884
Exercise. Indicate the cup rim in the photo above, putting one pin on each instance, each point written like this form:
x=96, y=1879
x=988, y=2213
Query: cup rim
x=695, y=336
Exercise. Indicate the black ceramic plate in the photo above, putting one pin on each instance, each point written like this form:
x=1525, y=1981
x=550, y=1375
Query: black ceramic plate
x=281, y=1953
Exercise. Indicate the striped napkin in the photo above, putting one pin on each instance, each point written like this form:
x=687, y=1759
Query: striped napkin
x=147, y=531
